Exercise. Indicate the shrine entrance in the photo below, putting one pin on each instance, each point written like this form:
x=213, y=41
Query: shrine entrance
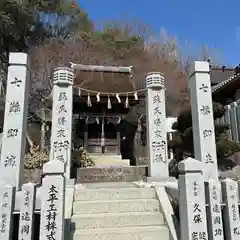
x=103, y=136
x=99, y=134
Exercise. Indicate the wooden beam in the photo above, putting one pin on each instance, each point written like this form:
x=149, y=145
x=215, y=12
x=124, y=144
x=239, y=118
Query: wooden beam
x=96, y=68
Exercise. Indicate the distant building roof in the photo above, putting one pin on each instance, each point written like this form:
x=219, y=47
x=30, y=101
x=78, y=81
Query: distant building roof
x=226, y=83
x=223, y=79
x=218, y=75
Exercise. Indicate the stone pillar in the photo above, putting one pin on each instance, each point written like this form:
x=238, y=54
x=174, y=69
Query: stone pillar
x=27, y=207
x=53, y=201
x=61, y=135
x=227, y=120
x=238, y=118
x=193, y=223
x=214, y=210
x=202, y=118
x=234, y=121
x=156, y=127
x=7, y=193
x=231, y=209
x=15, y=120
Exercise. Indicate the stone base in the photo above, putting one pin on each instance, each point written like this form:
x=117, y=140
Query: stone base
x=111, y=174
x=159, y=180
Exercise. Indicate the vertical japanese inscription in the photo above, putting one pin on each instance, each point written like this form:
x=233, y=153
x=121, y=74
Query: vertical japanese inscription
x=27, y=207
x=6, y=204
x=4, y=207
x=13, y=132
x=12, y=146
x=215, y=211
x=62, y=118
x=197, y=213
x=235, y=210
x=15, y=120
x=158, y=143
x=51, y=213
x=206, y=115
x=13, y=108
x=231, y=209
x=61, y=143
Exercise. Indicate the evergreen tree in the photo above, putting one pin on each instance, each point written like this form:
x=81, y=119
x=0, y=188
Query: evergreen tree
x=182, y=145
x=26, y=23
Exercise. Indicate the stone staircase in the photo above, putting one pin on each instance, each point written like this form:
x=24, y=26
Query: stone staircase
x=111, y=168
x=116, y=211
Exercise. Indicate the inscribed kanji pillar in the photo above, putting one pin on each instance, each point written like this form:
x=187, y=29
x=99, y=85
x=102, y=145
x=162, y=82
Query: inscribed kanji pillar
x=15, y=120
x=61, y=136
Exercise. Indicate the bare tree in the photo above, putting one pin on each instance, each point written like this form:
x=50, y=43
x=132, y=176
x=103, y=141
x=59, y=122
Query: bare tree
x=119, y=43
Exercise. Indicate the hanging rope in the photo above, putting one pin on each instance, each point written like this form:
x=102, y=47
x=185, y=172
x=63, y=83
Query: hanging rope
x=110, y=93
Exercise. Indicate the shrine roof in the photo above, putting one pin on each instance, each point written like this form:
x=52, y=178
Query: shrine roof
x=108, y=82
x=124, y=82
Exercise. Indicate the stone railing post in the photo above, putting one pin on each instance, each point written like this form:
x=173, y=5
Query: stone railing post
x=202, y=118
x=231, y=210
x=15, y=120
x=53, y=201
x=7, y=195
x=214, y=210
x=193, y=222
x=156, y=127
x=27, y=208
x=61, y=135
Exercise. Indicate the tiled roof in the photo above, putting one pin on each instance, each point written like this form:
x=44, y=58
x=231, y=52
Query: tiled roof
x=218, y=75
x=226, y=82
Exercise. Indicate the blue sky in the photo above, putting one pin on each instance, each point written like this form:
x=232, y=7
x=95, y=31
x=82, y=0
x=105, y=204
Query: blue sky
x=213, y=22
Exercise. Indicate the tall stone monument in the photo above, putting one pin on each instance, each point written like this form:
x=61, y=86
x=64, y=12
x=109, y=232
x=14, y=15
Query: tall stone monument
x=202, y=119
x=156, y=126
x=61, y=136
x=15, y=120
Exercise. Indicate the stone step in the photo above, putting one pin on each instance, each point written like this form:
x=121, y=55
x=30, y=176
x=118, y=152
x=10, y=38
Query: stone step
x=119, y=206
x=103, y=160
x=114, y=194
x=106, y=185
x=113, y=220
x=123, y=233
x=107, y=155
x=111, y=174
